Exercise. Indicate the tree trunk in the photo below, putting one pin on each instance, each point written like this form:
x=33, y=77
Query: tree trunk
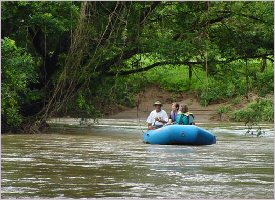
x=190, y=72
x=264, y=64
x=246, y=78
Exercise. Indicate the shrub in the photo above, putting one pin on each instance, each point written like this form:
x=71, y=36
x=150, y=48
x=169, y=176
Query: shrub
x=260, y=111
x=236, y=100
x=223, y=110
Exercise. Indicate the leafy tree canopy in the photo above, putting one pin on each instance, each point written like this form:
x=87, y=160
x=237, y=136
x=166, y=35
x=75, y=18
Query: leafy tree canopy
x=74, y=48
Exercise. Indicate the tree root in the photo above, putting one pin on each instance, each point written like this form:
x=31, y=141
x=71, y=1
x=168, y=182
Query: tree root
x=35, y=127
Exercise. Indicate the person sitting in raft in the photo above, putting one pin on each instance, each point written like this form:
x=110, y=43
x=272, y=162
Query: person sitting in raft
x=157, y=117
x=184, y=117
x=174, y=113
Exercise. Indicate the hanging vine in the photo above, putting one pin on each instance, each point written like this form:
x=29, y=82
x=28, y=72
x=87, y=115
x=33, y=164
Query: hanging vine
x=91, y=45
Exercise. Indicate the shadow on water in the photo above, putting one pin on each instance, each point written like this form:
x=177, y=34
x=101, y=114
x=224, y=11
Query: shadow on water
x=113, y=161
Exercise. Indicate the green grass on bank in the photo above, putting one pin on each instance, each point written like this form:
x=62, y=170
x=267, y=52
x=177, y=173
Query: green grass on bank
x=225, y=86
x=226, y=82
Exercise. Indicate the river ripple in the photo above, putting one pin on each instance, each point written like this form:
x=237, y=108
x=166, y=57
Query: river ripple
x=104, y=161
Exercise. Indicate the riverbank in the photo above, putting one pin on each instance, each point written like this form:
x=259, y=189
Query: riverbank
x=136, y=117
x=155, y=93
x=203, y=114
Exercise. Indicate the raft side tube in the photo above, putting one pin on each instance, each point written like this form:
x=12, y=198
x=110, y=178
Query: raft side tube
x=180, y=134
x=159, y=136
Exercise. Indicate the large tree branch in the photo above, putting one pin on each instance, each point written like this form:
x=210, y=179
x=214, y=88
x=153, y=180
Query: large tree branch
x=104, y=67
x=230, y=12
x=227, y=14
x=143, y=69
x=204, y=24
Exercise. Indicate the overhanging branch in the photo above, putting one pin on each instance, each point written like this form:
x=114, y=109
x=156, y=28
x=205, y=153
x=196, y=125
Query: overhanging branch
x=112, y=62
x=143, y=69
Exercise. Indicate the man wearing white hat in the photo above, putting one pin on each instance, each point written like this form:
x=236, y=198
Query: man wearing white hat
x=157, y=117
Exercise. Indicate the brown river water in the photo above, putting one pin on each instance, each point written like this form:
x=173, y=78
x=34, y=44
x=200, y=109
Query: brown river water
x=111, y=160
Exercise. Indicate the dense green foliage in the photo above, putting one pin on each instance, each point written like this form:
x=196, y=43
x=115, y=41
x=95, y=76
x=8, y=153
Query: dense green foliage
x=219, y=50
x=18, y=71
x=37, y=36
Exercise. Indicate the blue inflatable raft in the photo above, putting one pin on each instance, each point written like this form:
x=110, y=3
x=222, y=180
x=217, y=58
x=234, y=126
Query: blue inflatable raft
x=180, y=134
